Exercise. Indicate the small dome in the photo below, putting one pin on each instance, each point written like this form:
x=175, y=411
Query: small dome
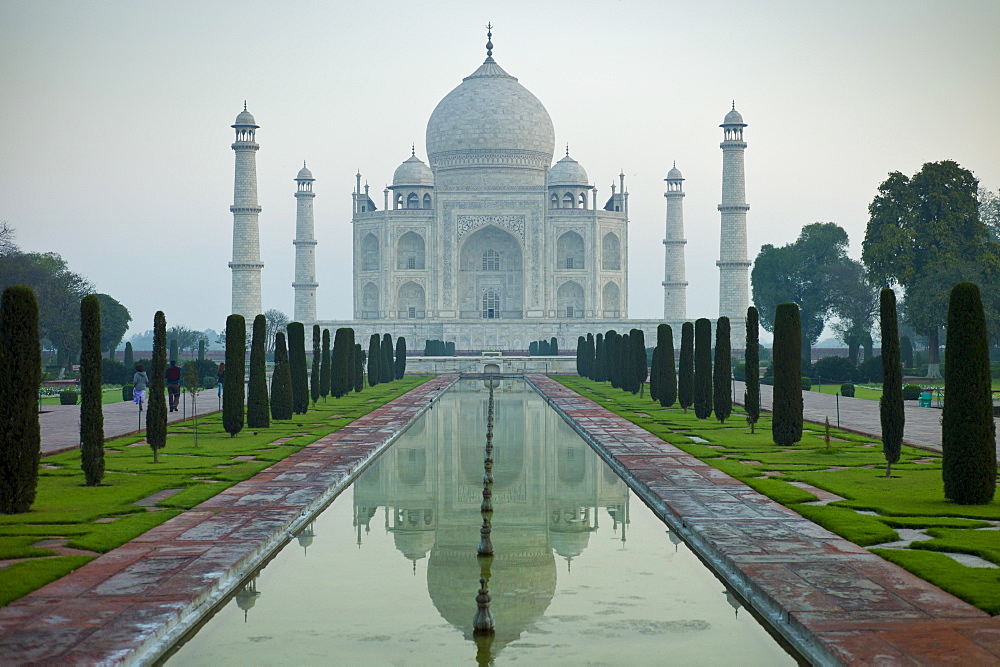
x=413, y=172
x=568, y=171
x=245, y=118
x=733, y=118
x=304, y=174
x=674, y=173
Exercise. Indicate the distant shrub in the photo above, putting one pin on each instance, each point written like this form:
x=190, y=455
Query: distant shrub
x=847, y=389
x=911, y=392
x=740, y=372
x=807, y=383
x=869, y=370
x=68, y=397
x=834, y=369
x=127, y=392
x=209, y=381
x=115, y=372
x=768, y=379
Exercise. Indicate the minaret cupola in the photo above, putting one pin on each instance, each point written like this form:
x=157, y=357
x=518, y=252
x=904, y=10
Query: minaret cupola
x=568, y=184
x=413, y=184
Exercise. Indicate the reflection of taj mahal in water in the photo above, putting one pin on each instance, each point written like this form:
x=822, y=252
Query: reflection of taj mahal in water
x=490, y=244
x=428, y=494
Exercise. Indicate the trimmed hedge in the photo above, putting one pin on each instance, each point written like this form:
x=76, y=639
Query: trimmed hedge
x=847, y=389
x=69, y=397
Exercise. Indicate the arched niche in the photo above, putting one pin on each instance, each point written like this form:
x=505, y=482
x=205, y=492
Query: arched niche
x=410, y=251
x=569, y=251
x=569, y=299
x=411, y=300
x=611, y=252
x=370, y=302
x=491, y=272
x=369, y=253
x=611, y=298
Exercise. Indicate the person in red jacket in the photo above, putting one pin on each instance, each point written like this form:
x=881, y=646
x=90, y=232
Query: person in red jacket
x=174, y=385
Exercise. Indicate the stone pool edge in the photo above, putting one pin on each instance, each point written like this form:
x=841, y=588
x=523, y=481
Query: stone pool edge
x=828, y=622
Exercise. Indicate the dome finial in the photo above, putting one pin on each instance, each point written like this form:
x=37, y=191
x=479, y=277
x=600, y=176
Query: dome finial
x=413, y=149
x=244, y=105
x=734, y=105
x=489, y=40
x=675, y=164
x=303, y=164
x=567, y=149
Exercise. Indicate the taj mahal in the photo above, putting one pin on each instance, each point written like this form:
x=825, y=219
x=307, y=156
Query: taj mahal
x=491, y=243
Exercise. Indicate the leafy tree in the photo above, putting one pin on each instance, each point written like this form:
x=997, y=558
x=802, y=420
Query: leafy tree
x=232, y=390
x=342, y=372
x=156, y=409
x=832, y=369
x=805, y=272
x=989, y=212
x=685, y=374
x=276, y=321
x=297, y=360
x=925, y=233
x=21, y=361
x=722, y=378
x=855, y=304
x=638, y=368
x=358, y=359
x=281, y=380
x=891, y=403
x=182, y=338
x=751, y=395
x=324, y=370
x=702, y=368
x=786, y=421
x=386, y=362
x=192, y=379
x=668, y=377
x=400, y=357
x=374, y=355
x=258, y=407
x=91, y=408
x=317, y=360
x=968, y=435
x=115, y=319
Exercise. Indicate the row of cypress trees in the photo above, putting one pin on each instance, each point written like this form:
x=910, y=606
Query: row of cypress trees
x=384, y=365
x=438, y=348
x=544, y=348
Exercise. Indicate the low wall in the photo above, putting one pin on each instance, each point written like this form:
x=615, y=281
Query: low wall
x=477, y=364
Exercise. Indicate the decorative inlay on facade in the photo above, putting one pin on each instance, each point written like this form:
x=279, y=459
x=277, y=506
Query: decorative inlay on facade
x=417, y=280
x=512, y=223
x=399, y=231
x=492, y=188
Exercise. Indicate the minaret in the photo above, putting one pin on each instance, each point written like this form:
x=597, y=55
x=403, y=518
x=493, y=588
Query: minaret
x=246, y=264
x=305, y=248
x=674, y=283
x=734, y=268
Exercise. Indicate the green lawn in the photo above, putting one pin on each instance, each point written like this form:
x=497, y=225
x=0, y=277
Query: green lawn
x=66, y=509
x=107, y=396
x=851, y=466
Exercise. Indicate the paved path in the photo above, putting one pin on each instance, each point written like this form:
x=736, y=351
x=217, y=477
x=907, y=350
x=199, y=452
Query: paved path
x=132, y=603
x=834, y=600
x=922, y=428
x=61, y=423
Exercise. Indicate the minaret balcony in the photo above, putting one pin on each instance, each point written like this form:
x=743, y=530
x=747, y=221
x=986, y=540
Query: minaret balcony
x=245, y=209
x=245, y=146
x=734, y=208
x=674, y=241
x=305, y=242
x=732, y=143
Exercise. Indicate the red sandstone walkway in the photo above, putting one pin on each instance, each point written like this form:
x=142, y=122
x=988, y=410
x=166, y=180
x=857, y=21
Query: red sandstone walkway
x=137, y=598
x=850, y=604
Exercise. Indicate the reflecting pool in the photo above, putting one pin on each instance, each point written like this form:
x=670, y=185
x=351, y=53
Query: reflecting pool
x=582, y=572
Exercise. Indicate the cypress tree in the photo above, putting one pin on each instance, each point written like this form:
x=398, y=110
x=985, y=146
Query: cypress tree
x=654, y=374
x=324, y=369
x=129, y=357
x=554, y=347
x=589, y=356
x=668, y=379
x=21, y=361
x=533, y=348
x=906, y=352
x=317, y=358
x=722, y=373
x=611, y=340
x=599, y=358
x=968, y=436
x=400, y=357
x=233, y=383
x=786, y=420
x=341, y=371
x=890, y=406
x=300, y=373
x=156, y=407
x=201, y=349
x=623, y=362
x=374, y=354
x=638, y=366
x=685, y=375
x=386, y=362
x=702, y=368
x=281, y=380
x=173, y=349
x=91, y=412
x=258, y=408
x=751, y=395
x=359, y=367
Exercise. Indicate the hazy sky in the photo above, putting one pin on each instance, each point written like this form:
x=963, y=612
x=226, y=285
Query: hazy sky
x=115, y=138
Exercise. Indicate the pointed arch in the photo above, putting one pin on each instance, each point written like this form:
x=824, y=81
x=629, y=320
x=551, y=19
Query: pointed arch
x=611, y=252
x=569, y=251
x=369, y=253
x=410, y=251
x=611, y=298
x=370, y=302
x=569, y=300
x=411, y=300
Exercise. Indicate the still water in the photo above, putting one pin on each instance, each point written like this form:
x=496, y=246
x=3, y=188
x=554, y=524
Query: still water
x=583, y=571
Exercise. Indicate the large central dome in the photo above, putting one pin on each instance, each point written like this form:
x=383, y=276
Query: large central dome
x=490, y=120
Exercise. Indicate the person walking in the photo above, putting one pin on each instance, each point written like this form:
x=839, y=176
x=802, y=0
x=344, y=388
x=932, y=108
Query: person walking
x=222, y=376
x=174, y=385
x=139, y=383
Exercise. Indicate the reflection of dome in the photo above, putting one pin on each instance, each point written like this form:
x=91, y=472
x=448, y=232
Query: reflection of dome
x=490, y=113
x=733, y=118
x=569, y=544
x=414, y=544
x=521, y=586
x=413, y=171
x=568, y=171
